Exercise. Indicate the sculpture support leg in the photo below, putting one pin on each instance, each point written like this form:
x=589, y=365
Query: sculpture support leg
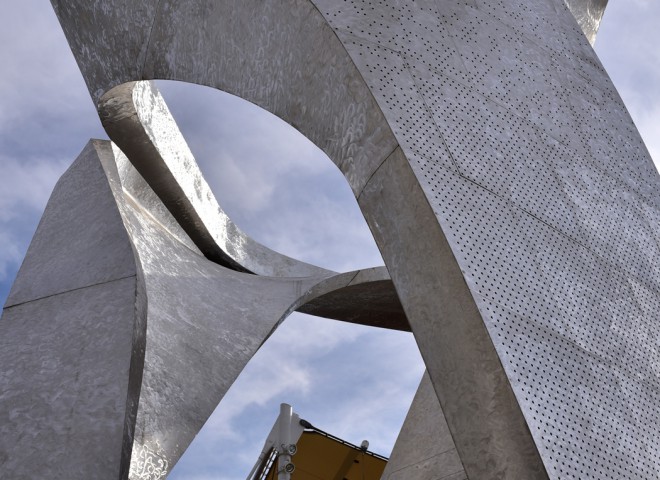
x=120, y=338
x=491, y=435
x=66, y=338
x=424, y=449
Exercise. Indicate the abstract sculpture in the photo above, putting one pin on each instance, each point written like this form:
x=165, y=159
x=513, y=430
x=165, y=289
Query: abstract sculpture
x=511, y=197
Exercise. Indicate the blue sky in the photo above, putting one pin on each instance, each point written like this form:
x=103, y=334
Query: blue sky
x=353, y=381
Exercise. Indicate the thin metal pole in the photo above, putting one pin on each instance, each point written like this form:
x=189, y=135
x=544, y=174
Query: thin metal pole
x=284, y=465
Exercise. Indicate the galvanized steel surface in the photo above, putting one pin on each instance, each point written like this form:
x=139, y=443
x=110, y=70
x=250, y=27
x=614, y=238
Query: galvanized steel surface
x=513, y=200
x=138, y=121
x=588, y=14
x=424, y=449
x=127, y=364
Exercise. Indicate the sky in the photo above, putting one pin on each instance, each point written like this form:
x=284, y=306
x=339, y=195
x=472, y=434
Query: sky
x=355, y=382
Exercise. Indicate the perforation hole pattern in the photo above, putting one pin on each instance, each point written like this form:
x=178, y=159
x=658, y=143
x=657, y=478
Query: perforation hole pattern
x=548, y=198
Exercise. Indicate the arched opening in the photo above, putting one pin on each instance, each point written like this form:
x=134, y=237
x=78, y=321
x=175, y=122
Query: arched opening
x=354, y=381
x=275, y=184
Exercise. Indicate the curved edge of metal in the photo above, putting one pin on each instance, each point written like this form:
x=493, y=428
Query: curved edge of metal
x=107, y=161
x=71, y=372
x=329, y=103
x=365, y=297
x=205, y=321
x=588, y=14
x=137, y=120
x=345, y=121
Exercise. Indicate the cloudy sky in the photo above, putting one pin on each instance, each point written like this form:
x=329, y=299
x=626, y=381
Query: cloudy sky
x=352, y=381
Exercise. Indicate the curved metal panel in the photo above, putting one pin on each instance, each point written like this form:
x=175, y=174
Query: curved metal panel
x=513, y=200
x=327, y=100
x=204, y=323
x=70, y=362
x=118, y=372
x=588, y=14
x=139, y=122
x=366, y=297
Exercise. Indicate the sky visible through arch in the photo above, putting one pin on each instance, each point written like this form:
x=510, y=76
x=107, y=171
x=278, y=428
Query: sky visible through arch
x=352, y=381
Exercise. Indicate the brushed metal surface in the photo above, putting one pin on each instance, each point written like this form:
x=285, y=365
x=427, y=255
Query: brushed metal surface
x=139, y=123
x=521, y=156
x=66, y=346
x=424, y=450
x=588, y=14
x=112, y=377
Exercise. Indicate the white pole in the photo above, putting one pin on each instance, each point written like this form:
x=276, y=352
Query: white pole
x=284, y=465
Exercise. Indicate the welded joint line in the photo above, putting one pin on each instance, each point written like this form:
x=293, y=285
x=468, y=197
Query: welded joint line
x=142, y=209
x=348, y=284
x=406, y=65
x=148, y=45
x=429, y=458
x=387, y=157
x=68, y=291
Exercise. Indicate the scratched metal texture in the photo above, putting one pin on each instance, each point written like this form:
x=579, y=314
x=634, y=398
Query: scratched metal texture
x=499, y=120
x=112, y=370
x=548, y=198
x=588, y=14
x=205, y=321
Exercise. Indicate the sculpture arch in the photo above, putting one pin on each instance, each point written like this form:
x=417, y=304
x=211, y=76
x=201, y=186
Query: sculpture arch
x=512, y=199
x=263, y=155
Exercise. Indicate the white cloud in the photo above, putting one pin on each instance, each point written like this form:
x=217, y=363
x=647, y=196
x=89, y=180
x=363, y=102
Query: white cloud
x=39, y=75
x=388, y=373
x=10, y=254
x=26, y=185
x=627, y=45
x=24, y=189
x=46, y=117
x=281, y=367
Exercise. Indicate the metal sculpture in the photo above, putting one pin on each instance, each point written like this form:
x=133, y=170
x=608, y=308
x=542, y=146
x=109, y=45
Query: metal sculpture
x=141, y=333
x=511, y=197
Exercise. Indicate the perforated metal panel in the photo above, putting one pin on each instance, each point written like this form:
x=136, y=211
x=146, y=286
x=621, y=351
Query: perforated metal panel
x=547, y=195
